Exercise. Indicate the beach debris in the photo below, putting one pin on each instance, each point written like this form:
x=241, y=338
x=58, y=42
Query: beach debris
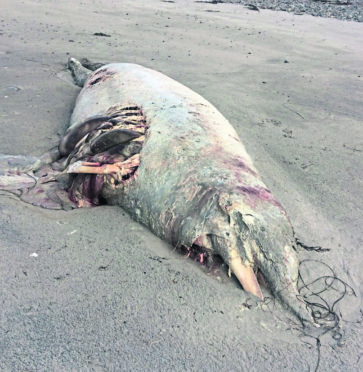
x=101, y=34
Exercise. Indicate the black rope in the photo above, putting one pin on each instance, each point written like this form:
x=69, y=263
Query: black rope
x=311, y=248
x=323, y=311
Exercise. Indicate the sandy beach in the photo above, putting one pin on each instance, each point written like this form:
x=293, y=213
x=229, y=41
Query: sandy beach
x=92, y=290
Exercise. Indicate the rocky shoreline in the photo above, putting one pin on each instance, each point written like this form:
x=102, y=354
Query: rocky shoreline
x=346, y=10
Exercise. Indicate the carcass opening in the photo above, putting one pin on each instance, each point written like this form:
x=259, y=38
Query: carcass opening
x=106, y=153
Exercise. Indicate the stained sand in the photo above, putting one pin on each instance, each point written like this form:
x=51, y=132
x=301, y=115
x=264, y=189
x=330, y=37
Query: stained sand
x=103, y=293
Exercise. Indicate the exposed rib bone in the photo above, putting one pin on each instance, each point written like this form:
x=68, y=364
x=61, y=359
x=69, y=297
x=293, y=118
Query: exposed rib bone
x=122, y=168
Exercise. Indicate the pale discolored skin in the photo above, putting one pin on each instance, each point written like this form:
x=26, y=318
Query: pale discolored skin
x=193, y=183
x=196, y=184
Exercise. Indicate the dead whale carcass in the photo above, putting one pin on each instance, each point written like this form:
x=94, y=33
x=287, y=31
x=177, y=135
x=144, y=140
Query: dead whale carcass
x=143, y=141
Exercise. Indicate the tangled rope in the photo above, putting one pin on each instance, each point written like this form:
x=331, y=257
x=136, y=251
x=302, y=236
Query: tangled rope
x=322, y=295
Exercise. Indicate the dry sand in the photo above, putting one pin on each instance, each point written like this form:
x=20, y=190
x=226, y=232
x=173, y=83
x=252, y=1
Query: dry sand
x=103, y=293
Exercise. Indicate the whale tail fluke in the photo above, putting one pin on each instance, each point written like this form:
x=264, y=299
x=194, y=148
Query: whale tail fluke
x=80, y=74
x=81, y=70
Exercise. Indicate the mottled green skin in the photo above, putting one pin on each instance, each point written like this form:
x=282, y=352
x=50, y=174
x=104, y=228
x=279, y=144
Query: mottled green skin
x=195, y=177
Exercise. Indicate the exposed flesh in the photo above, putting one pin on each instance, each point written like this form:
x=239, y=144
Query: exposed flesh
x=187, y=175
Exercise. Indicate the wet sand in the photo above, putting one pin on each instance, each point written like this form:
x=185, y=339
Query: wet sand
x=101, y=292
